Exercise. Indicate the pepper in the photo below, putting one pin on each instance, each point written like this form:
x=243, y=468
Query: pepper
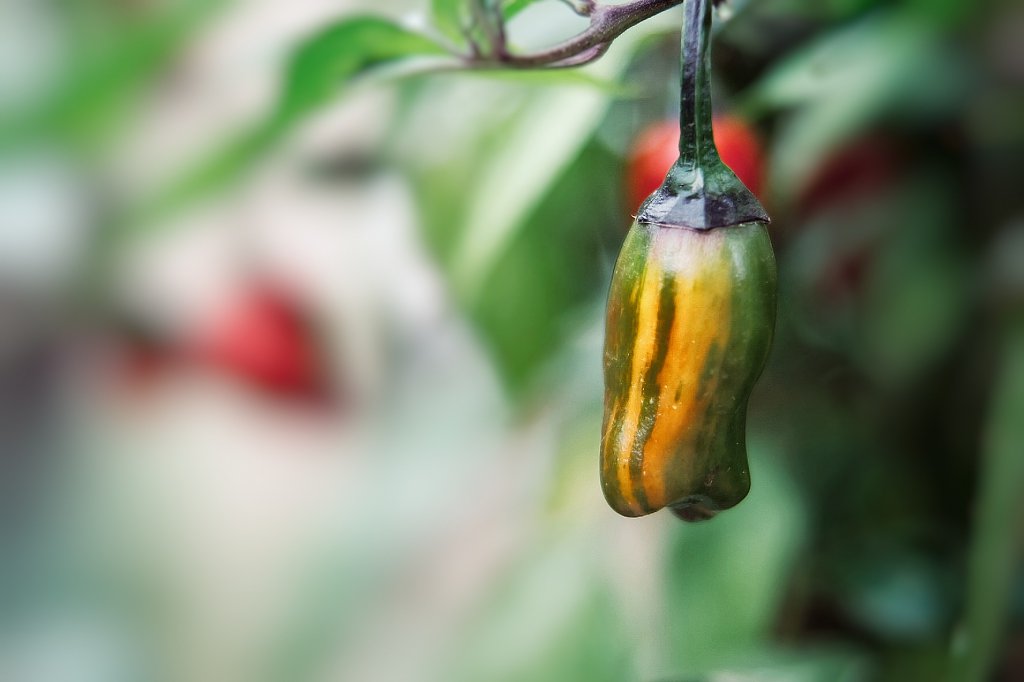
x=690, y=320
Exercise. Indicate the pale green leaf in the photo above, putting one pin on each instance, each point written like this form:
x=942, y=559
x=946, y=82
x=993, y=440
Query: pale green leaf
x=450, y=18
x=97, y=85
x=327, y=62
x=321, y=69
x=513, y=7
x=844, y=82
x=537, y=147
x=732, y=571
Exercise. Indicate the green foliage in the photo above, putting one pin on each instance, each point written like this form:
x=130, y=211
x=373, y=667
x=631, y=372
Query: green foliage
x=844, y=82
x=322, y=68
x=325, y=64
x=584, y=637
x=101, y=79
x=732, y=572
x=996, y=550
x=450, y=18
x=514, y=7
x=552, y=265
x=919, y=293
x=501, y=196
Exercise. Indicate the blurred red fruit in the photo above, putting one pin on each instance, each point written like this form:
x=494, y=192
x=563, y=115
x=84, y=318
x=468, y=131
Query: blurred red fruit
x=862, y=166
x=266, y=341
x=657, y=148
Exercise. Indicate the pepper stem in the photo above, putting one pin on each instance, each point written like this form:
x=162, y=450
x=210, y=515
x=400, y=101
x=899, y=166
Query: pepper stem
x=696, y=137
x=700, y=192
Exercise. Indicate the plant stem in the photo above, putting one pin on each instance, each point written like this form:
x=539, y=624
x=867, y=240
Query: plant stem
x=996, y=548
x=696, y=140
x=607, y=22
x=700, y=192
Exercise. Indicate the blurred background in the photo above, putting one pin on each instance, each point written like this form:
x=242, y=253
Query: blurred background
x=300, y=348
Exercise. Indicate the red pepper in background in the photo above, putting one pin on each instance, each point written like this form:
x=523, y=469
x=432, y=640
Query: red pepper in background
x=265, y=339
x=860, y=167
x=657, y=148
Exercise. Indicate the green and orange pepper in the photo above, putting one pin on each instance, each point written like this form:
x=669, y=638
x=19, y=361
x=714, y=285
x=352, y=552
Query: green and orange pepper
x=691, y=314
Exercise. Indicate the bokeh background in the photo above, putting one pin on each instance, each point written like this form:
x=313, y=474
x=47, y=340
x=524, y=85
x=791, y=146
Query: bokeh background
x=300, y=373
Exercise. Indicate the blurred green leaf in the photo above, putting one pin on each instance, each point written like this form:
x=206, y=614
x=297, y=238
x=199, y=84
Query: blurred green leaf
x=552, y=619
x=914, y=317
x=501, y=197
x=552, y=264
x=450, y=18
x=537, y=148
x=330, y=603
x=782, y=665
x=558, y=78
x=944, y=12
x=325, y=63
x=847, y=59
x=96, y=85
x=898, y=594
x=919, y=294
x=322, y=67
x=519, y=205
x=843, y=82
x=726, y=578
x=510, y=8
x=995, y=548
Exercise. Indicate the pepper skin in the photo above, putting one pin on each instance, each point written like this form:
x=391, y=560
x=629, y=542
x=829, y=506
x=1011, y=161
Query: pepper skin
x=689, y=326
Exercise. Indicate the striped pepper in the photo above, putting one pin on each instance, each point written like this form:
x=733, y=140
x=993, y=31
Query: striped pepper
x=689, y=326
x=691, y=315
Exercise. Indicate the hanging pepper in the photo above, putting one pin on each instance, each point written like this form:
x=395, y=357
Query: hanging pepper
x=691, y=314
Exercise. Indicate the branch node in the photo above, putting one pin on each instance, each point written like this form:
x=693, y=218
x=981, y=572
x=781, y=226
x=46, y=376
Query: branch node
x=607, y=22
